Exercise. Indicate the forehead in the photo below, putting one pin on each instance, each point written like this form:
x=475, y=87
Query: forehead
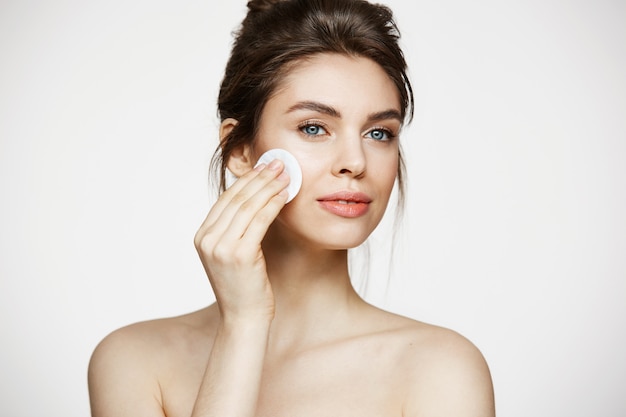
x=350, y=84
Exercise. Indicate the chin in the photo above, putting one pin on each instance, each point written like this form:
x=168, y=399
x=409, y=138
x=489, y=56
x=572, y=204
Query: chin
x=322, y=231
x=338, y=240
x=327, y=237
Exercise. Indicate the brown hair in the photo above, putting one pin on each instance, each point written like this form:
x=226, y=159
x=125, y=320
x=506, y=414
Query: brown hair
x=276, y=34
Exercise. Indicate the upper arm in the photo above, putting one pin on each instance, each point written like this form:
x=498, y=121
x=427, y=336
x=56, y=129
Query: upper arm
x=122, y=379
x=452, y=379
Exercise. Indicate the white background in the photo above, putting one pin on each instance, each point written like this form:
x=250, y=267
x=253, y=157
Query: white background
x=515, y=232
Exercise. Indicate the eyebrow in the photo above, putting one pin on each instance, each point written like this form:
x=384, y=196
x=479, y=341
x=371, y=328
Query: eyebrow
x=331, y=111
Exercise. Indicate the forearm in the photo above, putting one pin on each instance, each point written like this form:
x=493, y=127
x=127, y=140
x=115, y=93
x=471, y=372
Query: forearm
x=229, y=245
x=230, y=387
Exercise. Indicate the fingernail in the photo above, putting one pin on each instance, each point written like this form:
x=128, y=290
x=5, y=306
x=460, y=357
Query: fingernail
x=259, y=167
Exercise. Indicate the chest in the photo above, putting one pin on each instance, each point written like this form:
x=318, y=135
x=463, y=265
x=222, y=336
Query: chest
x=349, y=381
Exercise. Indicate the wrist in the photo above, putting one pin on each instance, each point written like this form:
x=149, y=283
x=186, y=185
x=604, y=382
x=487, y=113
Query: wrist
x=243, y=324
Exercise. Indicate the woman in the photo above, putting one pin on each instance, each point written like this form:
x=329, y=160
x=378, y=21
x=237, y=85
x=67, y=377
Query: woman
x=288, y=335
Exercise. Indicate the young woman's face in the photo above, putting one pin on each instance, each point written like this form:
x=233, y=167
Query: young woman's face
x=340, y=117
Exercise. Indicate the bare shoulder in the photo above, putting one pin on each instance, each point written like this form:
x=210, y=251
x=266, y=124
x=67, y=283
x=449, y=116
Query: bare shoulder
x=445, y=373
x=129, y=366
x=151, y=340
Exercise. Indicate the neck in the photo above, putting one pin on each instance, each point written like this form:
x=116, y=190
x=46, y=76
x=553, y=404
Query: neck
x=312, y=291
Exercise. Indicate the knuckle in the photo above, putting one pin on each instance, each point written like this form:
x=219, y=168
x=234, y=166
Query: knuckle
x=246, y=207
x=239, y=198
x=204, y=243
x=197, y=239
x=222, y=254
x=264, y=218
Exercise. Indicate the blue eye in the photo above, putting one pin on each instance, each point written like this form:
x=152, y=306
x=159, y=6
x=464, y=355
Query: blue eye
x=312, y=130
x=380, y=134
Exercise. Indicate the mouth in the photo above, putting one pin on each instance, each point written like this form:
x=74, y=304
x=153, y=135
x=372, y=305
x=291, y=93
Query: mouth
x=346, y=204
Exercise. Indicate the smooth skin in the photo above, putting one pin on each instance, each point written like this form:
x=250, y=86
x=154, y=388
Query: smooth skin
x=288, y=335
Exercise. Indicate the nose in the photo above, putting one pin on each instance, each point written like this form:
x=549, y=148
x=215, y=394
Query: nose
x=350, y=157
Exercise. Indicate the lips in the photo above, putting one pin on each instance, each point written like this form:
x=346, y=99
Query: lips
x=347, y=204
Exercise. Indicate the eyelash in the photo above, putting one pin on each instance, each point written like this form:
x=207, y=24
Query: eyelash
x=309, y=123
x=387, y=132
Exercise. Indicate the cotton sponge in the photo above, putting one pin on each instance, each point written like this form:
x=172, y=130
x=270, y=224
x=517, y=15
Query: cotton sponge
x=292, y=167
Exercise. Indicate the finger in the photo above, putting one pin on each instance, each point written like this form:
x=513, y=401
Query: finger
x=256, y=207
x=260, y=223
x=256, y=190
x=225, y=198
x=235, y=194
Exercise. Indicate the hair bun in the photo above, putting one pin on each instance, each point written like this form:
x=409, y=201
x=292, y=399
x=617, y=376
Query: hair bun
x=255, y=6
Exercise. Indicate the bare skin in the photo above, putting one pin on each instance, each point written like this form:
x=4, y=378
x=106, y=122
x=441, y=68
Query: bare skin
x=288, y=335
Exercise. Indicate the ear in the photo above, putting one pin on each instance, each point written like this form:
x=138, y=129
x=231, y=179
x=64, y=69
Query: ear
x=240, y=160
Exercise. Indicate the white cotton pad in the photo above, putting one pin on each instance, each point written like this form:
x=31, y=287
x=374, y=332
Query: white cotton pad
x=292, y=167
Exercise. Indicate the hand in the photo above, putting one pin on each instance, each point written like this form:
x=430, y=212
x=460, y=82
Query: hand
x=229, y=242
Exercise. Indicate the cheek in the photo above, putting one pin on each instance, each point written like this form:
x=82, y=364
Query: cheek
x=313, y=166
x=392, y=169
x=310, y=171
x=384, y=168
